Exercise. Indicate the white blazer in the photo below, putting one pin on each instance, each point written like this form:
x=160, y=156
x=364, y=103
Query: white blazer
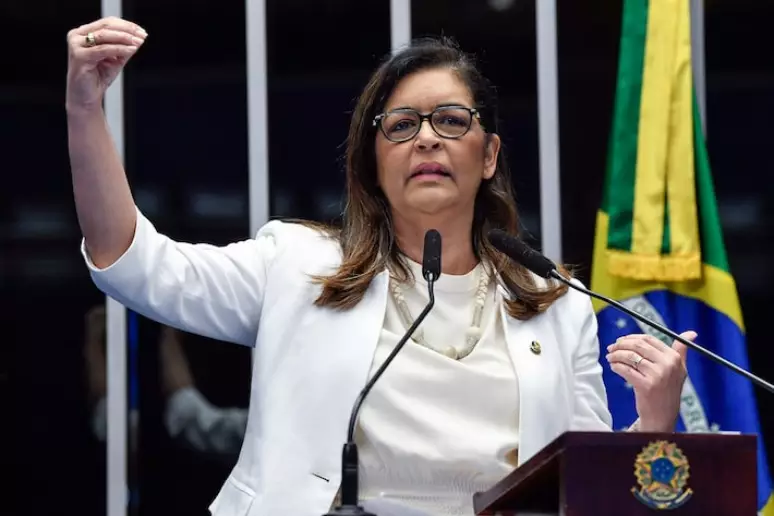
x=310, y=363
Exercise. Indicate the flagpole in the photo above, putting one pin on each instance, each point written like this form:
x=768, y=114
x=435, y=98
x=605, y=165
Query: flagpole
x=697, y=57
x=548, y=129
x=115, y=324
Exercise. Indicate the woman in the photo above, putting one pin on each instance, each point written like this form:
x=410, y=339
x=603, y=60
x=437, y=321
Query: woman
x=504, y=363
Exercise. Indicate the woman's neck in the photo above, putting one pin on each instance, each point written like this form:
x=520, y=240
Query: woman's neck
x=457, y=256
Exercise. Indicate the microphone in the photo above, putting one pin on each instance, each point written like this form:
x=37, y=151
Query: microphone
x=520, y=252
x=431, y=271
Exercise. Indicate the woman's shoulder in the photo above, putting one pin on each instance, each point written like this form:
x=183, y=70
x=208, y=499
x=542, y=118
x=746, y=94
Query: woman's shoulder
x=574, y=300
x=298, y=228
x=299, y=236
x=571, y=304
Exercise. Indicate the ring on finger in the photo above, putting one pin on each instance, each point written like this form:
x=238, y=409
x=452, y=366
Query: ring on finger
x=90, y=39
x=636, y=359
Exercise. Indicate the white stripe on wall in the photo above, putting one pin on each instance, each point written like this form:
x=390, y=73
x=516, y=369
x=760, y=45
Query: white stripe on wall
x=257, y=114
x=400, y=23
x=117, y=487
x=548, y=128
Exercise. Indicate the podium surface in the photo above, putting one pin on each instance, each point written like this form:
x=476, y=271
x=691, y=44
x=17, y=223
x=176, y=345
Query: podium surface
x=630, y=474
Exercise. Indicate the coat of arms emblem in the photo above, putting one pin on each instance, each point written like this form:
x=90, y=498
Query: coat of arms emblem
x=661, y=470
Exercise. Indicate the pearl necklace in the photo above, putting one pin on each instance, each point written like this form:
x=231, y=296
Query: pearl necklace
x=473, y=333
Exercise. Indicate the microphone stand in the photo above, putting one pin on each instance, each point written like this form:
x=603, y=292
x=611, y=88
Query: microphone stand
x=349, y=505
x=535, y=262
x=707, y=353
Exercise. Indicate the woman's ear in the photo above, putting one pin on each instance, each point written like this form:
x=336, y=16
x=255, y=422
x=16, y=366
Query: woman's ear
x=491, y=151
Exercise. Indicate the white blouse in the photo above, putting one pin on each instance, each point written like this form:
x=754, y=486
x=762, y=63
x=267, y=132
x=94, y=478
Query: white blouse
x=435, y=430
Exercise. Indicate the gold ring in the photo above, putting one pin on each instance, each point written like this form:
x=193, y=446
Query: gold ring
x=636, y=359
x=90, y=39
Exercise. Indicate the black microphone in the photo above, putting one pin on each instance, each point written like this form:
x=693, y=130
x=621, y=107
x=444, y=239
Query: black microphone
x=431, y=271
x=520, y=252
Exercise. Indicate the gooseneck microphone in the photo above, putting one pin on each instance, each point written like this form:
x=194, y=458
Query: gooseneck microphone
x=520, y=252
x=349, y=504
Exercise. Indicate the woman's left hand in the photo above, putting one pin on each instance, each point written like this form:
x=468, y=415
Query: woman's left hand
x=656, y=372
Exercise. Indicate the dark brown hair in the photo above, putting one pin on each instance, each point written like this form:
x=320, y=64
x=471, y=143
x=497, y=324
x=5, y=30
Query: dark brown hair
x=366, y=237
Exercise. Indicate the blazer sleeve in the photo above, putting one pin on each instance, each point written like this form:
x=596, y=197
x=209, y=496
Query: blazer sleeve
x=591, y=410
x=199, y=288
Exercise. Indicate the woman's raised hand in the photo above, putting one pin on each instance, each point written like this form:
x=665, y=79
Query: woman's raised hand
x=97, y=52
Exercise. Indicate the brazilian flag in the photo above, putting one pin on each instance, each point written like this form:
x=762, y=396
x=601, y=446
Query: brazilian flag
x=658, y=246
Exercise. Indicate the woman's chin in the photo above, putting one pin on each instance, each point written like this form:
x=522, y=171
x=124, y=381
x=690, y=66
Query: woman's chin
x=430, y=201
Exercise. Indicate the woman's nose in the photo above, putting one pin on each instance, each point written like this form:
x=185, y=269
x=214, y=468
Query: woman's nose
x=426, y=137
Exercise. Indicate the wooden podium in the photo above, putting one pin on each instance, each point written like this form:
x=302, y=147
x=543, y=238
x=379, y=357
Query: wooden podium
x=630, y=474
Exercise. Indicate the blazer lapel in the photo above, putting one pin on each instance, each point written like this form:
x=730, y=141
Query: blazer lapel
x=536, y=359
x=351, y=338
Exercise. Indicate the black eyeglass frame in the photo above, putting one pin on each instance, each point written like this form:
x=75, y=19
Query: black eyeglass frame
x=378, y=119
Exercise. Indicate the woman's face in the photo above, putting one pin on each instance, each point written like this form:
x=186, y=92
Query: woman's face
x=429, y=174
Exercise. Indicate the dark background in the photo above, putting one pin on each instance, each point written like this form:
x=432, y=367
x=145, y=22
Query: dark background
x=186, y=154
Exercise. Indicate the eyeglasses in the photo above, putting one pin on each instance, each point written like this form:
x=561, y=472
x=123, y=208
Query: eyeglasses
x=400, y=125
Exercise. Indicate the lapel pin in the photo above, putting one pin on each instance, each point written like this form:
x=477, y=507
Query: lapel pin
x=535, y=347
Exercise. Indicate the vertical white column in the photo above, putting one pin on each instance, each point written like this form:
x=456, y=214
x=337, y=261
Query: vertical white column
x=548, y=126
x=117, y=486
x=697, y=56
x=257, y=114
x=400, y=23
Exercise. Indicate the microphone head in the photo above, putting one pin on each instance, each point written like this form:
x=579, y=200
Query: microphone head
x=520, y=252
x=431, y=256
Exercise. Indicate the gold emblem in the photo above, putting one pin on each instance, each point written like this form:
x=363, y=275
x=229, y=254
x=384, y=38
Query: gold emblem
x=512, y=457
x=535, y=347
x=661, y=470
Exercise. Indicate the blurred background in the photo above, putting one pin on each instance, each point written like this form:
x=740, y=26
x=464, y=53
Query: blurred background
x=186, y=152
